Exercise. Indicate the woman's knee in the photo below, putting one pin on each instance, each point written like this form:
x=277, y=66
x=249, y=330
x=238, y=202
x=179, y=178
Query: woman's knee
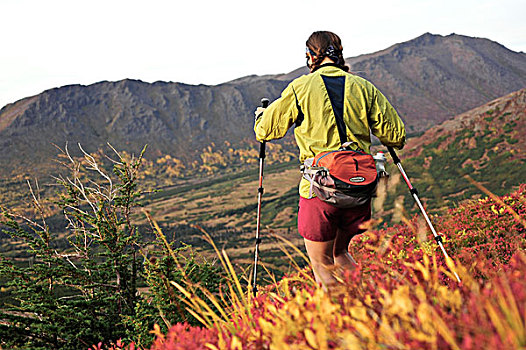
x=320, y=252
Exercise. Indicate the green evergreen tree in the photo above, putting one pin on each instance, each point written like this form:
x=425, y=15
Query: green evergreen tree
x=74, y=295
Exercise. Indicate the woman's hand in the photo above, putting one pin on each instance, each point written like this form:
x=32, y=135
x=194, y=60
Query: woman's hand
x=259, y=112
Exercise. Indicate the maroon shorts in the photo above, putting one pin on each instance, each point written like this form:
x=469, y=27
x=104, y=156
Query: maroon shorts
x=319, y=221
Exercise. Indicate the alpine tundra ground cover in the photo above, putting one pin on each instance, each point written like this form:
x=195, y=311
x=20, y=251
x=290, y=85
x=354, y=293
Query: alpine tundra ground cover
x=402, y=296
x=108, y=278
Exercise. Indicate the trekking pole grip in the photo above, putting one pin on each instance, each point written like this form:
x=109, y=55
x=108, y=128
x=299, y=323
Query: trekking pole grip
x=262, y=150
x=264, y=103
x=393, y=154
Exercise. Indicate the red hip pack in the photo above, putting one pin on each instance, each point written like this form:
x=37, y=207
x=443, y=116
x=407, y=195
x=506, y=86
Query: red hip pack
x=344, y=178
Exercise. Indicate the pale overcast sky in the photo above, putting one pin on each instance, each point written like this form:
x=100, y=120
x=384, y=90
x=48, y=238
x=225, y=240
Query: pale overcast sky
x=51, y=43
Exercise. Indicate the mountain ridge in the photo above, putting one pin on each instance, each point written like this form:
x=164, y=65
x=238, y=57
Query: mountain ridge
x=427, y=79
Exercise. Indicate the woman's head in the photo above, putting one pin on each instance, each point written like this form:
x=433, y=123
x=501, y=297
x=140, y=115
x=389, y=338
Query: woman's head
x=324, y=44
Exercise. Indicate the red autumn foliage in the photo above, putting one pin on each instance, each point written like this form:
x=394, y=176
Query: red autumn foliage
x=402, y=296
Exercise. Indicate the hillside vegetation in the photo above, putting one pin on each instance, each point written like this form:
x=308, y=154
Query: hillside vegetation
x=403, y=295
x=487, y=144
x=118, y=284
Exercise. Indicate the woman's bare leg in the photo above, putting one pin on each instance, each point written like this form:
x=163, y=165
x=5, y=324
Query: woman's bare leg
x=321, y=257
x=342, y=258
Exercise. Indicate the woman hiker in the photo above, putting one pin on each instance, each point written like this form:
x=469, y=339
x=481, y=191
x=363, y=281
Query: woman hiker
x=314, y=103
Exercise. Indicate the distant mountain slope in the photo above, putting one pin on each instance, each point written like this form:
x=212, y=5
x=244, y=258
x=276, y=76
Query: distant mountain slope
x=487, y=143
x=428, y=79
x=504, y=117
x=172, y=118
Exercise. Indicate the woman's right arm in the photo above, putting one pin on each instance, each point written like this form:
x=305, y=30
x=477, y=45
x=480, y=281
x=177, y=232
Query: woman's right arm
x=277, y=119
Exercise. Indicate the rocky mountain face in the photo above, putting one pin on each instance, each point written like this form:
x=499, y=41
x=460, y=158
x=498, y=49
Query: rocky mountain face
x=172, y=118
x=428, y=80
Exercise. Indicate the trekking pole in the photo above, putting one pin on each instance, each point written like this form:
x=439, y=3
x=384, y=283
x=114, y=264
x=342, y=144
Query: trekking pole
x=414, y=192
x=264, y=104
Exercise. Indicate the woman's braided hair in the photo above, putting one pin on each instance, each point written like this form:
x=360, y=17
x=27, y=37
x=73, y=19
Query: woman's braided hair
x=326, y=44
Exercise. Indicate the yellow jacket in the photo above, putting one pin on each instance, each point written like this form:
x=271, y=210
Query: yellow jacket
x=312, y=102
